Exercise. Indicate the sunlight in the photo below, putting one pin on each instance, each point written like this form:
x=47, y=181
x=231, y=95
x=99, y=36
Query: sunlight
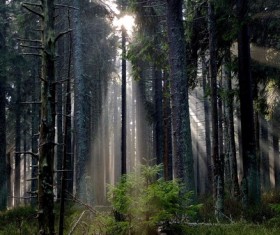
x=127, y=21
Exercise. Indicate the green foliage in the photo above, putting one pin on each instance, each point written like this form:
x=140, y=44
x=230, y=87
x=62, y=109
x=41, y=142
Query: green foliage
x=21, y=220
x=145, y=202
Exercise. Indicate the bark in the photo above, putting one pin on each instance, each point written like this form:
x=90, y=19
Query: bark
x=47, y=123
x=229, y=120
x=3, y=167
x=81, y=134
x=264, y=156
x=216, y=155
x=167, y=136
x=207, y=120
x=123, y=135
x=17, y=138
x=275, y=146
x=181, y=141
x=34, y=145
x=251, y=183
x=158, y=115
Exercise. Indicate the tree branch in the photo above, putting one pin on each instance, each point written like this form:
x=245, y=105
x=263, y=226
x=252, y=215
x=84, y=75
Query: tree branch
x=61, y=5
x=33, y=47
x=61, y=34
x=32, y=11
x=33, y=4
x=29, y=40
x=36, y=156
x=31, y=54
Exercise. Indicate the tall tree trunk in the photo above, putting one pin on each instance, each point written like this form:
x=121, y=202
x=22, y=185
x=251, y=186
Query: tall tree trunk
x=81, y=137
x=3, y=166
x=207, y=120
x=167, y=136
x=17, y=138
x=229, y=120
x=34, y=140
x=275, y=146
x=181, y=143
x=123, y=138
x=264, y=155
x=47, y=123
x=217, y=158
x=158, y=115
x=251, y=182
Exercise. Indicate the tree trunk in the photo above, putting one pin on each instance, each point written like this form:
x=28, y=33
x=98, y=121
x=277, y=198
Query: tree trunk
x=81, y=118
x=251, y=182
x=123, y=136
x=47, y=123
x=229, y=120
x=181, y=132
x=3, y=166
x=217, y=157
x=207, y=120
x=17, y=138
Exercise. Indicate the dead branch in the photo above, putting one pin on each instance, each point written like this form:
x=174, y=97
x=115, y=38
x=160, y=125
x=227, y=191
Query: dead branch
x=33, y=4
x=61, y=34
x=35, y=155
x=33, y=47
x=32, y=11
x=61, y=5
x=35, y=54
x=29, y=40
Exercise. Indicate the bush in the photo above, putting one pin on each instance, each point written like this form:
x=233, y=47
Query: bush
x=143, y=202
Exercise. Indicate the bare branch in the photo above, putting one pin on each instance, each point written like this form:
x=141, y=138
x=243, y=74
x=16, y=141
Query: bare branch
x=33, y=4
x=36, y=156
x=33, y=47
x=29, y=40
x=61, y=34
x=31, y=54
x=31, y=102
x=32, y=11
x=61, y=5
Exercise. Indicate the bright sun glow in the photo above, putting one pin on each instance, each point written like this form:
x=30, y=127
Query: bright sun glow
x=127, y=21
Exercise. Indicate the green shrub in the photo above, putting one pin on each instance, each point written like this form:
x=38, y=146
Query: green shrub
x=143, y=202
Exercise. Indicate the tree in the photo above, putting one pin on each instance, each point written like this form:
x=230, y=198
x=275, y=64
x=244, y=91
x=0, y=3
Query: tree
x=3, y=50
x=250, y=181
x=216, y=154
x=181, y=142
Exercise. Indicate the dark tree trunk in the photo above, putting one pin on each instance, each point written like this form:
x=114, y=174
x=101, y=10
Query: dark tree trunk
x=3, y=166
x=123, y=136
x=207, y=120
x=47, y=123
x=275, y=146
x=216, y=155
x=250, y=182
x=17, y=138
x=81, y=104
x=181, y=144
x=229, y=120
x=34, y=132
x=158, y=115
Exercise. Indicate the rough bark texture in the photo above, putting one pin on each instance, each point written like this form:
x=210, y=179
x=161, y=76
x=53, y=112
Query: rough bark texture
x=123, y=143
x=216, y=155
x=3, y=167
x=229, y=122
x=81, y=119
x=158, y=116
x=207, y=120
x=182, y=147
x=275, y=146
x=47, y=123
x=17, y=138
x=251, y=182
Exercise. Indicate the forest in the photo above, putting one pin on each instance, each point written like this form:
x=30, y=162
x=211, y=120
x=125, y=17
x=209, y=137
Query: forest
x=139, y=117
